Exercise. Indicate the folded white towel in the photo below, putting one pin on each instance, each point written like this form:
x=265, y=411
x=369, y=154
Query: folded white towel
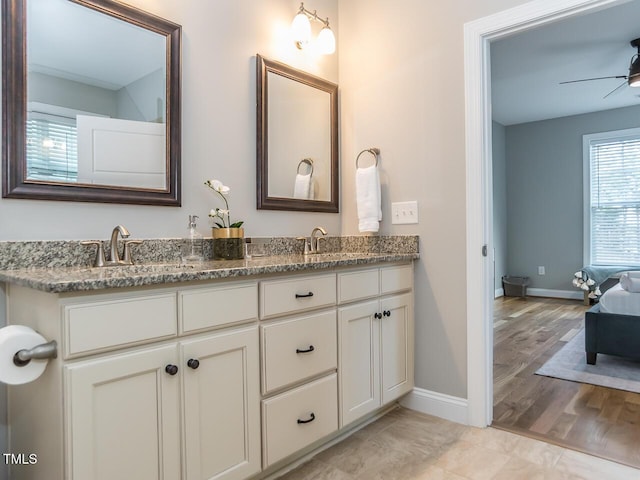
x=368, y=199
x=302, y=187
x=630, y=281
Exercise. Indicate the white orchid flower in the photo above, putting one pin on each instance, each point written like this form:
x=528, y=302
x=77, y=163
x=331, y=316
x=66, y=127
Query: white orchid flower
x=222, y=211
x=578, y=274
x=584, y=286
x=597, y=291
x=576, y=282
x=591, y=282
x=220, y=187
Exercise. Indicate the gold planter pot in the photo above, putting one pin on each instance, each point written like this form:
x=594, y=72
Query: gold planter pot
x=228, y=243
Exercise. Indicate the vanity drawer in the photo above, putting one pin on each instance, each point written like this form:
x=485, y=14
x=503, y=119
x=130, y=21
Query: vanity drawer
x=297, y=349
x=295, y=294
x=395, y=279
x=108, y=324
x=358, y=285
x=298, y=417
x=205, y=308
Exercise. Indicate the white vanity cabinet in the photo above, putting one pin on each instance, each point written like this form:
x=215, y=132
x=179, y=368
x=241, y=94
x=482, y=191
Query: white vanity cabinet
x=220, y=379
x=376, y=327
x=142, y=402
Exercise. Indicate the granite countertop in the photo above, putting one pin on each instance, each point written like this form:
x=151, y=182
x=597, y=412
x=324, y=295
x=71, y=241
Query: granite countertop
x=75, y=279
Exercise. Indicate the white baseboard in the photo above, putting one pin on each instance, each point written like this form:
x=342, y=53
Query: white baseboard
x=544, y=292
x=499, y=293
x=437, y=404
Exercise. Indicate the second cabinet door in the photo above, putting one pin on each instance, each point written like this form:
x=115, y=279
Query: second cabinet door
x=221, y=405
x=359, y=339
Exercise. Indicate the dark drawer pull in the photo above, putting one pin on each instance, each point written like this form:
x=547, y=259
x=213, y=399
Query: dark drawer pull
x=310, y=349
x=312, y=417
x=306, y=295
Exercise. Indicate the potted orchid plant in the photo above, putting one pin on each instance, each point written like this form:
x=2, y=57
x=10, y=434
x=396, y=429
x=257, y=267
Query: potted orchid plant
x=228, y=237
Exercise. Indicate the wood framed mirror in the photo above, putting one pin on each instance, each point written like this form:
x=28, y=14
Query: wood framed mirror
x=297, y=140
x=91, y=103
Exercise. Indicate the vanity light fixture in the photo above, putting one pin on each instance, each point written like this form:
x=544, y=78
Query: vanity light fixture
x=301, y=31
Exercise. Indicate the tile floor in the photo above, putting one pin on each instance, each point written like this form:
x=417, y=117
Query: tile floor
x=405, y=445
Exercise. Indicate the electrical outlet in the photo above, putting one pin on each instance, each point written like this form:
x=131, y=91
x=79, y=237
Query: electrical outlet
x=404, y=212
x=541, y=271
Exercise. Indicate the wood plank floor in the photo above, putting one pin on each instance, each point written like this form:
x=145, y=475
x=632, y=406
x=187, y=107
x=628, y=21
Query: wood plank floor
x=601, y=421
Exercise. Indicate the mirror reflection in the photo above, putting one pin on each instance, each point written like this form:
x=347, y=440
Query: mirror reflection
x=299, y=150
x=96, y=98
x=297, y=139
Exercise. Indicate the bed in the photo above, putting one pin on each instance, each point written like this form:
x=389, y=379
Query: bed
x=612, y=326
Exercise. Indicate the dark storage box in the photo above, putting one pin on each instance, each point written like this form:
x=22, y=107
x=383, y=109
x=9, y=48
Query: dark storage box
x=515, y=286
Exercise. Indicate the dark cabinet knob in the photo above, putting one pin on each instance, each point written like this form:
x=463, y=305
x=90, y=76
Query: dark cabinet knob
x=377, y=315
x=193, y=363
x=171, y=369
x=386, y=313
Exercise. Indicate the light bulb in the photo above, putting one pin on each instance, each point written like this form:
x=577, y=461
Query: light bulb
x=301, y=30
x=326, y=41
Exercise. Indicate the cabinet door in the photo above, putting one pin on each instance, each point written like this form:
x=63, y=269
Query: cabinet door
x=123, y=417
x=359, y=339
x=222, y=405
x=396, y=356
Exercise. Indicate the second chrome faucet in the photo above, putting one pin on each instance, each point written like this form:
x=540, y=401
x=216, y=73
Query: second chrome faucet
x=312, y=243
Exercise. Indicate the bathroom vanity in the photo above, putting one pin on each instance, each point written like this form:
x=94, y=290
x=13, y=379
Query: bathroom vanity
x=226, y=370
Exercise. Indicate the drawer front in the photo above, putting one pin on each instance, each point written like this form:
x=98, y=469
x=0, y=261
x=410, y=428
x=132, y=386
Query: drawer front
x=358, y=285
x=297, y=349
x=395, y=279
x=299, y=417
x=109, y=324
x=296, y=294
x=205, y=308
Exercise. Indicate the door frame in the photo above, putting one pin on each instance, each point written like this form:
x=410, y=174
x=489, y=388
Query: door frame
x=478, y=35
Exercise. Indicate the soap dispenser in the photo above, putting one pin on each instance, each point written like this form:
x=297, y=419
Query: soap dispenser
x=193, y=243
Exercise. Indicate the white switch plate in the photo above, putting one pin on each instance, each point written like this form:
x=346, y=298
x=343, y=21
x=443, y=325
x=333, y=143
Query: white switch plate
x=404, y=212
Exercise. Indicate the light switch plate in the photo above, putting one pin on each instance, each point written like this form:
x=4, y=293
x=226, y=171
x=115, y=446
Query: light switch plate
x=404, y=212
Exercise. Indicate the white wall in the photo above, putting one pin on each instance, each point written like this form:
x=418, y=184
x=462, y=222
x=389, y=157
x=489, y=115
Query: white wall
x=402, y=80
x=219, y=43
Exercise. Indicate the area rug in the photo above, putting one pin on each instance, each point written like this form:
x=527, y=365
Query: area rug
x=569, y=363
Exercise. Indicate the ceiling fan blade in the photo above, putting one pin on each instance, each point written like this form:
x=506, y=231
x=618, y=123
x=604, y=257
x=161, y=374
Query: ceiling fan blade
x=596, y=78
x=615, y=89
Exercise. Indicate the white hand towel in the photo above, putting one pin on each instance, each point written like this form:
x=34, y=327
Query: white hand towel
x=302, y=187
x=368, y=199
x=630, y=283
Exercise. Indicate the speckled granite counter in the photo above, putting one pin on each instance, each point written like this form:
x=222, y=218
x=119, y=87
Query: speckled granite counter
x=70, y=277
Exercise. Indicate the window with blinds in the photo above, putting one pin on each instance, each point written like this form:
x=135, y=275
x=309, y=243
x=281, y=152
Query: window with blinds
x=613, y=221
x=52, y=147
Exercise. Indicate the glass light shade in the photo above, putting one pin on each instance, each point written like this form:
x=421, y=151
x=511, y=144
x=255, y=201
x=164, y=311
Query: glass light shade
x=301, y=30
x=326, y=41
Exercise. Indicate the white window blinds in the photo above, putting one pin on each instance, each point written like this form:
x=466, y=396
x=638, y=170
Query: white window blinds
x=52, y=148
x=615, y=200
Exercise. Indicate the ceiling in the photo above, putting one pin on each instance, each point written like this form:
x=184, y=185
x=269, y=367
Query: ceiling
x=526, y=68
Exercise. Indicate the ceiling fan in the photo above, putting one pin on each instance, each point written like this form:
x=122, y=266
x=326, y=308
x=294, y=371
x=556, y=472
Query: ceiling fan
x=632, y=79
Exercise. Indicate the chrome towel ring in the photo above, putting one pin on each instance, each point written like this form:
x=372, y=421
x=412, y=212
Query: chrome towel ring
x=373, y=151
x=309, y=162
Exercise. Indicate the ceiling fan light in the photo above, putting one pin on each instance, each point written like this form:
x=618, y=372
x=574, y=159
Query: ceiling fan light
x=634, y=73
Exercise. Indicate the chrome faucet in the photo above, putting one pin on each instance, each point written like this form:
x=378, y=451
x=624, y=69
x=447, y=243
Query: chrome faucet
x=114, y=256
x=315, y=241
